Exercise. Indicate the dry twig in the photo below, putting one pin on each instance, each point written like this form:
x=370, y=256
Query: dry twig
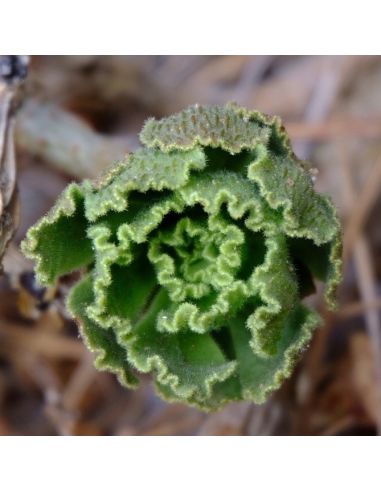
x=64, y=141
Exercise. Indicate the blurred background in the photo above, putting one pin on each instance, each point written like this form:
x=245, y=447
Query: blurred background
x=76, y=116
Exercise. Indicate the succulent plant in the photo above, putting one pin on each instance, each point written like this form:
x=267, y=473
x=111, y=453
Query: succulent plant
x=196, y=253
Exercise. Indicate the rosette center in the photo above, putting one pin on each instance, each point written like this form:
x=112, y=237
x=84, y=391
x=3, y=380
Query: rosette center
x=194, y=257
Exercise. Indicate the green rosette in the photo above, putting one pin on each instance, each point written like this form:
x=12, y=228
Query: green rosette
x=196, y=253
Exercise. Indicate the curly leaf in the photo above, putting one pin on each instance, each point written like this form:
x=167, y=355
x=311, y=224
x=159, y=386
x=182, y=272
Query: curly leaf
x=65, y=225
x=111, y=356
x=199, y=250
x=229, y=127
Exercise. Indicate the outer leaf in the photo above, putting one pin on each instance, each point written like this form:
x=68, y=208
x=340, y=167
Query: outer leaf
x=58, y=242
x=229, y=127
x=287, y=186
x=111, y=356
x=145, y=170
x=189, y=364
x=260, y=376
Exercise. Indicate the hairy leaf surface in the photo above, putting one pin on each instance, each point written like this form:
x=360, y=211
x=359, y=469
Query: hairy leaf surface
x=196, y=252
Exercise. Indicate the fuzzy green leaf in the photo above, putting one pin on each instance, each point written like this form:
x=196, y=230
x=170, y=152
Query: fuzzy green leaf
x=111, y=356
x=59, y=243
x=200, y=248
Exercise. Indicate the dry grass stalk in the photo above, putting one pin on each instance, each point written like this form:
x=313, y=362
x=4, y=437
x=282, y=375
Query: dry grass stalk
x=364, y=203
x=365, y=276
